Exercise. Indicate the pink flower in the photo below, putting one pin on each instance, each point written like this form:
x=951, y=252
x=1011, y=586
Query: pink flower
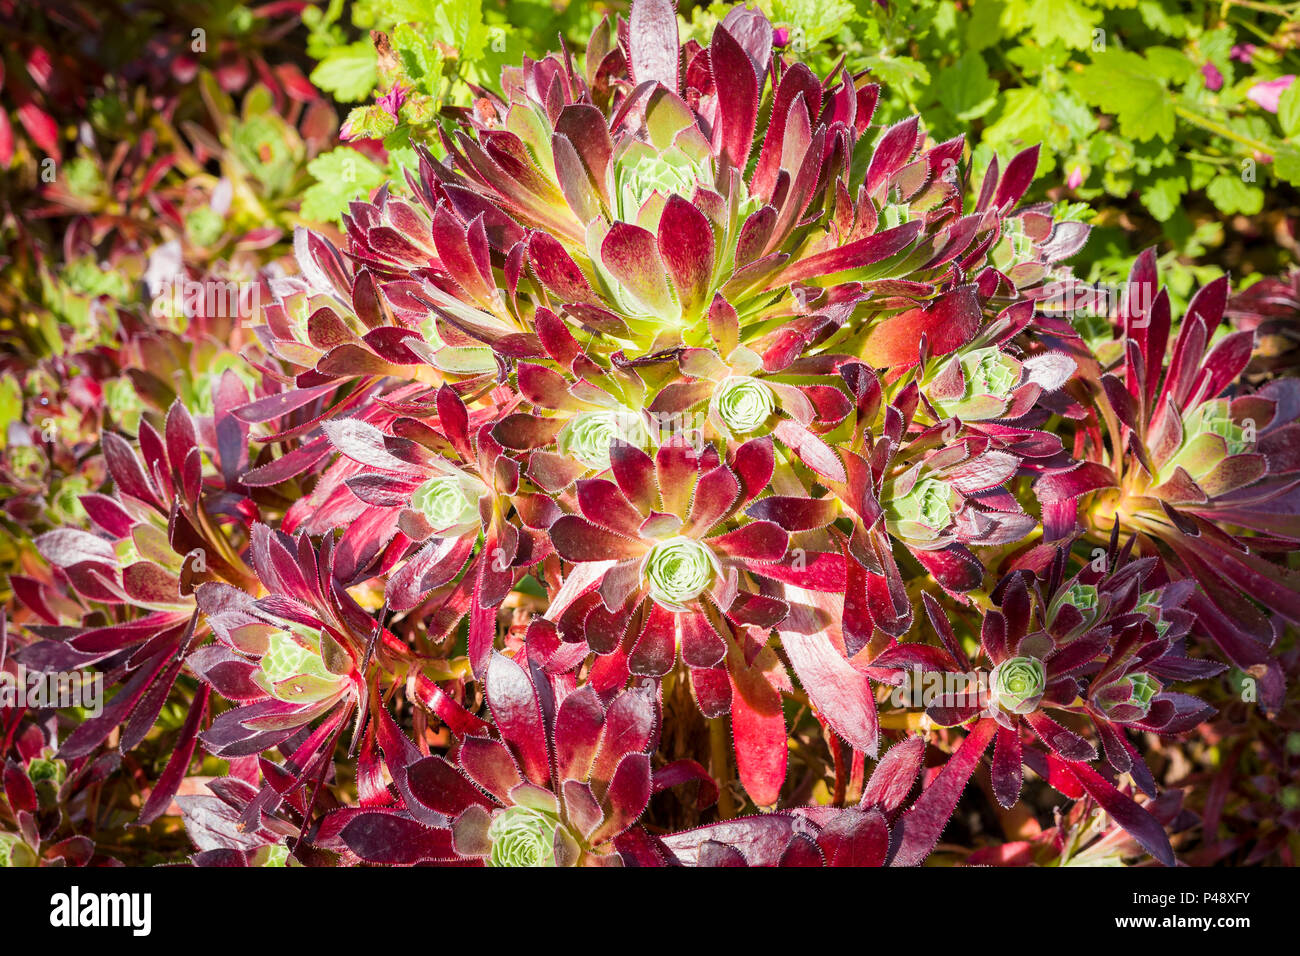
x=1268, y=94
x=392, y=100
x=1213, y=78
x=1075, y=179
x=1243, y=52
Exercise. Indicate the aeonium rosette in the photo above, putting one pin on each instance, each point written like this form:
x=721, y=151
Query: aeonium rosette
x=1029, y=673
x=1129, y=697
x=402, y=494
x=295, y=656
x=440, y=509
x=975, y=384
x=935, y=492
x=582, y=413
x=1100, y=647
x=447, y=503
x=661, y=540
x=47, y=816
x=329, y=325
x=1108, y=589
x=744, y=404
x=1132, y=689
x=556, y=785
x=1212, y=449
x=941, y=494
x=622, y=198
x=988, y=379
x=664, y=561
x=1138, y=622
x=933, y=445
x=1017, y=684
x=154, y=540
x=745, y=399
x=587, y=436
x=579, y=406
x=1203, y=471
x=647, y=177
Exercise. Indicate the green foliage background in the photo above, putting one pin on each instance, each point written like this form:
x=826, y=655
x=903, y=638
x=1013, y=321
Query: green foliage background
x=1119, y=92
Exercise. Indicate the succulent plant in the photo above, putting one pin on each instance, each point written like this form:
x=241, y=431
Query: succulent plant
x=1207, y=476
x=1270, y=309
x=552, y=787
x=675, y=409
x=1017, y=684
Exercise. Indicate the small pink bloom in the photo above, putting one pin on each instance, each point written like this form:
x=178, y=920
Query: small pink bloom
x=1267, y=94
x=1243, y=52
x=392, y=100
x=780, y=36
x=85, y=393
x=1076, y=178
x=1213, y=78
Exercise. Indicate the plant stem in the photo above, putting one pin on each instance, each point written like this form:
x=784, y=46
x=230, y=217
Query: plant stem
x=719, y=748
x=907, y=720
x=1273, y=8
x=1196, y=119
x=1213, y=160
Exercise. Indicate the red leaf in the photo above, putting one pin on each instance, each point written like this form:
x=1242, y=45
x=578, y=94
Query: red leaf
x=653, y=42
x=1135, y=819
x=923, y=823
x=795, y=514
x=737, y=88
x=686, y=247
x=895, y=775
x=756, y=541
x=855, y=838
x=893, y=150
x=627, y=797
x=842, y=694
x=1007, y=773
x=631, y=254
x=577, y=539
x=757, y=729
x=518, y=716
x=41, y=127
x=852, y=255
x=393, y=840
x=490, y=765
x=577, y=733
x=1019, y=175
x=557, y=270
x=947, y=323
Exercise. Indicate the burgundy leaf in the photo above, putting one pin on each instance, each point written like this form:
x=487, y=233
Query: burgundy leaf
x=923, y=823
x=518, y=717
